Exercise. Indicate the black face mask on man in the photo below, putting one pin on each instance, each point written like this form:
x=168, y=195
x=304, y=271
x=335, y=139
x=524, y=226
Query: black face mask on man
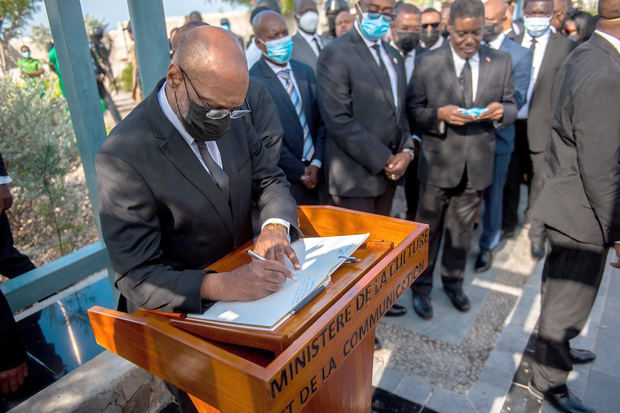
x=407, y=41
x=429, y=37
x=490, y=32
x=196, y=122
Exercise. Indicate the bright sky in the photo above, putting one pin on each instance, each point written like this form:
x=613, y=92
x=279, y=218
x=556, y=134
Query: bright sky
x=113, y=11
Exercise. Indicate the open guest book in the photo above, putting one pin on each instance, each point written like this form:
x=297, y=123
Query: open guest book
x=319, y=258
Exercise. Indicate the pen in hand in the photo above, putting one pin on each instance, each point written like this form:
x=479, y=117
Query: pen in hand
x=261, y=258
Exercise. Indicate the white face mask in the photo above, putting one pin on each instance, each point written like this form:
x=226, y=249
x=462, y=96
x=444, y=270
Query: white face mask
x=536, y=26
x=309, y=21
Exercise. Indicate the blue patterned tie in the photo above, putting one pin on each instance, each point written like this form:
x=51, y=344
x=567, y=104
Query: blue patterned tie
x=292, y=93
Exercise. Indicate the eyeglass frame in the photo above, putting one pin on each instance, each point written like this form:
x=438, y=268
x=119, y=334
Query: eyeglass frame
x=216, y=114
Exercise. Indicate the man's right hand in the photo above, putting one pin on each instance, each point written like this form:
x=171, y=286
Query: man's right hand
x=247, y=283
x=6, y=200
x=451, y=115
x=10, y=380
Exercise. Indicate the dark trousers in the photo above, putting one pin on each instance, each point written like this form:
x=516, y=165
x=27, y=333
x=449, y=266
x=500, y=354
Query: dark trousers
x=375, y=205
x=412, y=189
x=109, y=103
x=524, y=166
x=570, y=282
x=12, y=262
x=492, y=218
x=454, y=208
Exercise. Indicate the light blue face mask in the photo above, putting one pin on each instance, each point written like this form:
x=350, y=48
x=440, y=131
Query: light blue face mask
x=26, y=54
x=374, y=25
x=279, y=50
x=536, y=26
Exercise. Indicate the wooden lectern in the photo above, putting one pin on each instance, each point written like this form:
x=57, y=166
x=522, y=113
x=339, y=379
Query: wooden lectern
x=319, y=360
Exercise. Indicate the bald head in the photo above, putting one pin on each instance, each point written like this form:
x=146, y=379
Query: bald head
x=182, y=31
x=609, y=9
x=268, y=25
x=495, y=10
x=209, y=61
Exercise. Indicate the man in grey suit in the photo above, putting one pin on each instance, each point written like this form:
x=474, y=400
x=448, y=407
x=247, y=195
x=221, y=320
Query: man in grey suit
x=176, y=179
x=494, y=14
x=579, y=203
x=306, y=42
x=361, y=92
x=456, y=160
x=534, y=119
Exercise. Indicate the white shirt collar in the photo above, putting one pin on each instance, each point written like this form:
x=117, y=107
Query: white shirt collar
x=171, y=116
x=457, y=58
x=307, y=37
x=497, y=42
x=277, y=68
x=541, y=40
x=438, y=43
x=615, y=42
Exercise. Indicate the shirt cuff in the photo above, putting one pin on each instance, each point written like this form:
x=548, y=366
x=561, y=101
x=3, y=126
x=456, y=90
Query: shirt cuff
x=416, y=138
x=316, y=163
x=276, y=221
x=5, y=179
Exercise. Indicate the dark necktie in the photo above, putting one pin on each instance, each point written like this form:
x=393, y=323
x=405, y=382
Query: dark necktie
x=382, y=66
x=318, y=44
x=465, y=80
x=217, y=173
x=533, y=46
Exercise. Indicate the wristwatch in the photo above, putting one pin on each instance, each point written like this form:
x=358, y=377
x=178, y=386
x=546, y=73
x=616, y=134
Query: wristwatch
x=410, y=152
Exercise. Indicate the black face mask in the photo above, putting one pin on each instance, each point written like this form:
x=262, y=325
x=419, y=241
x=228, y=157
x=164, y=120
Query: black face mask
x=196, y=122
x=490, y=32
x=407, y=41
x=429, y=37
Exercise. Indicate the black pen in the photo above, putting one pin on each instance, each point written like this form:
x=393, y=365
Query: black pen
x=309, y=298
x=261, y=258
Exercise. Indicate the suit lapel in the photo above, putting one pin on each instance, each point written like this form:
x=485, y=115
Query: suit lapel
x=302, y=85
x=484, y=70
x=301, y=42
x=401, y=76
x=452, y=78
x=366, y=55
x=276, y=86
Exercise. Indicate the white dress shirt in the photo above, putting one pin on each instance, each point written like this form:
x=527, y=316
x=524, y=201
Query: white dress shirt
x=537, y=58
x=277, y=69
x=615, y=42
x=497, y=42
x=409, y=61
x=214, y=151
x=252, y=54
x=310, y=39
x=387, y=61
x=474, y=63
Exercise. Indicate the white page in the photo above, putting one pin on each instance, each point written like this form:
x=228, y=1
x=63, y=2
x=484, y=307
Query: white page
x=319, y=258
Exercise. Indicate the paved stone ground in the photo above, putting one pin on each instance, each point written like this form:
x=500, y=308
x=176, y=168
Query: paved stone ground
x=480, y=361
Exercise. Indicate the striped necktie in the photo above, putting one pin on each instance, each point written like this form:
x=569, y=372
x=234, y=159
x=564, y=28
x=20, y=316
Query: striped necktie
x=308, y=151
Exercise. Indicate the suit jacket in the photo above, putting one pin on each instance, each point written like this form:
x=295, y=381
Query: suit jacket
x=162, y=216
x=540, y=110
x=448, y=150
x=302, y=52
x=363, y=125
x=265, y=119
x=2, y=167
x=521, y=73
x=293, y=139
x=581, y=194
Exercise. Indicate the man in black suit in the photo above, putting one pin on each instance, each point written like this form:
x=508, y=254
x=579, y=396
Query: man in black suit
x=176, y=179
x=579, y=203
x=306, y=42
x=361, y=85
x=292, y=86
x=12, y=262
x=456, y=160
x=534, y=119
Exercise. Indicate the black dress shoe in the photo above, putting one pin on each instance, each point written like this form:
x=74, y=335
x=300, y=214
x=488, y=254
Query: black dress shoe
x=422, y=306
x=538, y=250
x=483, y=261
x=396, y=311
x=563, y=399
x=507, y=234
x=458, y=298
x=578, y=356
x=377, y=344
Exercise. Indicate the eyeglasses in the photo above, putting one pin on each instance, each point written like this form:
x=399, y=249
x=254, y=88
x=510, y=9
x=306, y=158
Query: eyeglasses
x=427, y=25
x=216, y=114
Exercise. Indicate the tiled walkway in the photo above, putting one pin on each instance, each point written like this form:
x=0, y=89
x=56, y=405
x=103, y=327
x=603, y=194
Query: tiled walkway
x=480, y=361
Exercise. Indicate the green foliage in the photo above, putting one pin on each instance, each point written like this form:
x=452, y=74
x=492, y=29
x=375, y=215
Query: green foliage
x=39, y=148
x=125, y=79
x=13, y=15
x=92, y=23
x=41, y=35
